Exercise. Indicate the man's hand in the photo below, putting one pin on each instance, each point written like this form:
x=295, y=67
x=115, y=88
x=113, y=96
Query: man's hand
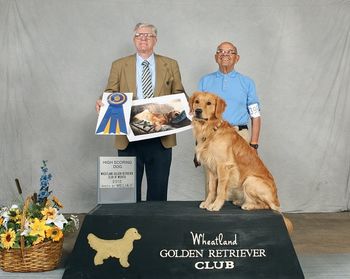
x=98, y=105
x=254, y=146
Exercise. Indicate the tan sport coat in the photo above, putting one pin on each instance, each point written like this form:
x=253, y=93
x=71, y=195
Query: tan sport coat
x=122, y=78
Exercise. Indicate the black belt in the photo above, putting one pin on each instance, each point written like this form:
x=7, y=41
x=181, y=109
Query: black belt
x=242, y=127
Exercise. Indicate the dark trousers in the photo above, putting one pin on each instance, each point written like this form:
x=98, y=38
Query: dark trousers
x=152, y=156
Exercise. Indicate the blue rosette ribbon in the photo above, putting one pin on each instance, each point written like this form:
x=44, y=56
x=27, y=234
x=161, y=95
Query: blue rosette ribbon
x=114, y=115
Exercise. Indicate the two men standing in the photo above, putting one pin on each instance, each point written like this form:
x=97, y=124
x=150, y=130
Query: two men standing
x=147, y=74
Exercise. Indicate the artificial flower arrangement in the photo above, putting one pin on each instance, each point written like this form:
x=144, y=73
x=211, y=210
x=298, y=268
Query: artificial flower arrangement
x=36, y=220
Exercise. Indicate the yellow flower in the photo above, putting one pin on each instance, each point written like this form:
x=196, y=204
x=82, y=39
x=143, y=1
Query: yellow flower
x=38, y=227
x=1, y=221
x=54, y=233
x=8, y=238
x=15, y=215
x=49, y=213
x=38, y=240
x=57, y=202
x=19, y=219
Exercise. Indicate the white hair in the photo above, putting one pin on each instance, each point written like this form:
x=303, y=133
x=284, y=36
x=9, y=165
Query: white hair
x=142, y=24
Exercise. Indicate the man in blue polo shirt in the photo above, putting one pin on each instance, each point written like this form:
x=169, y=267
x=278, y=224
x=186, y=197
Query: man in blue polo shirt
x=237, y=90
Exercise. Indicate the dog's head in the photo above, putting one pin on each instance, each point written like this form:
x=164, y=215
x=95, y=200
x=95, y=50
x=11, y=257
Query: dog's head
x=206, y=106
x=132, y=233
x=172, y=115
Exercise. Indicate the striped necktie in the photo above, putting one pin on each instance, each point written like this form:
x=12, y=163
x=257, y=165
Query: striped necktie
x=146, y=79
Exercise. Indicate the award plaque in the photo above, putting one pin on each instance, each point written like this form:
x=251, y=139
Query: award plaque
x=116, y=180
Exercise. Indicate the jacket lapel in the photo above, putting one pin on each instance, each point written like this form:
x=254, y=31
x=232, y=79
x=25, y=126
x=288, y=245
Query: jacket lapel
x=130, y=73
x=161, y=70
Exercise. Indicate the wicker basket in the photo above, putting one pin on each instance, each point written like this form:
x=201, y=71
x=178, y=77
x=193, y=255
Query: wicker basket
x=40, y=257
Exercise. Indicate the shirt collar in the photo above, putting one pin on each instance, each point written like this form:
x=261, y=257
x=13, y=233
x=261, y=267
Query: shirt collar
x=150, y=59
x=230, y=74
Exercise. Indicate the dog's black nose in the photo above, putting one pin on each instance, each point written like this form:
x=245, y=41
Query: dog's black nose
x=198, y=112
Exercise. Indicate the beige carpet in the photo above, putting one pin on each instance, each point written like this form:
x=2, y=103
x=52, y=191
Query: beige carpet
x=321, y=233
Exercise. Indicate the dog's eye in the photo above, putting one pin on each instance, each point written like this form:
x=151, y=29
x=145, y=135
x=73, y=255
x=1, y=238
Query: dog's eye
x=208, y=103
x=197, y=101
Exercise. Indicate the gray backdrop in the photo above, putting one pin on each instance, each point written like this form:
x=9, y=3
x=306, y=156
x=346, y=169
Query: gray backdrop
x=55, y=58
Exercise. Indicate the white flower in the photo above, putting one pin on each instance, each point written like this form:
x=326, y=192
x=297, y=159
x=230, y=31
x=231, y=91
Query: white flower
x=5, y=215
x=4, y=211
x=75, y=220
x=14, y=207
x=59, y=221
x=26, y=230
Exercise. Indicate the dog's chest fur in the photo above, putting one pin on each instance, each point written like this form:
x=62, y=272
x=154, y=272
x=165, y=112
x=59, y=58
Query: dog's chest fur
x=212, y=150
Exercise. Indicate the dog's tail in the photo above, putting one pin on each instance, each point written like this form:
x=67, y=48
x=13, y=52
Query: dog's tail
x=288, y=224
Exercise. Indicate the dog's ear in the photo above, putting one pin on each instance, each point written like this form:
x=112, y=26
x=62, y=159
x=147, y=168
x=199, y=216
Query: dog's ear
x=169, y=115
x=220, y=107
x=190, y=103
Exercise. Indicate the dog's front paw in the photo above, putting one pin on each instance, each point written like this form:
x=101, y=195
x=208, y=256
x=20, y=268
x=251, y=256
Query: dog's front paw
x=237, y=202
x=215, y=206
x=204, y=205
x=98, y=260
x=124, y=263
x=249, y=206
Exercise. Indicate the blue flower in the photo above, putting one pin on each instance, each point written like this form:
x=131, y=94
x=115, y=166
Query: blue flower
x=44, y=183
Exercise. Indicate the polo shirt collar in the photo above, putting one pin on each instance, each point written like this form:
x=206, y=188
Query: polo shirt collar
x=230, y=74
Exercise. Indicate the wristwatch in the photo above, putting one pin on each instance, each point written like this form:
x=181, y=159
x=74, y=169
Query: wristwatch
x=254, y=145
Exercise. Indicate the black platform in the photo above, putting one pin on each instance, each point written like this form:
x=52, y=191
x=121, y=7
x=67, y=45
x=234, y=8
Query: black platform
x=179, y=240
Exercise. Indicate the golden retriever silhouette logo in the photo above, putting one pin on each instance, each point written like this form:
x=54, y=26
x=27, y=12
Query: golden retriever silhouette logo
x=117, y=248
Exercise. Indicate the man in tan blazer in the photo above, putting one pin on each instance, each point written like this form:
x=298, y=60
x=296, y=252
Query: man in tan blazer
x=127, y=75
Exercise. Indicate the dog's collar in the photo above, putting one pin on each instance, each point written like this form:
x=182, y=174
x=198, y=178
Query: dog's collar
x=216, y=127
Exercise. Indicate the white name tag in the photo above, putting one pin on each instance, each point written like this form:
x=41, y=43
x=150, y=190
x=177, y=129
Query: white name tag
x=254, y=110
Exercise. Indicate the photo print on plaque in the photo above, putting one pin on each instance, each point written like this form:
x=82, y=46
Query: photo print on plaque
x=159, y=116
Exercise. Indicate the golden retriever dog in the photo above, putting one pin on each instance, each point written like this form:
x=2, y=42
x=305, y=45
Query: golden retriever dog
x=157, y=119
x=117, y=248
x=234, y=170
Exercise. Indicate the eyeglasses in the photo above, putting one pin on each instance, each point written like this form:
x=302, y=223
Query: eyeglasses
x=229, y=52
x=147, y=36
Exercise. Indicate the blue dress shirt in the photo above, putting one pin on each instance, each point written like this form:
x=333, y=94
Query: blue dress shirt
x=237, y=90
